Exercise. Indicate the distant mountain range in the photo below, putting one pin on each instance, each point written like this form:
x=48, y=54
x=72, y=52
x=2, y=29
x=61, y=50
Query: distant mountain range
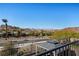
x=76, y=29
x=28, y=29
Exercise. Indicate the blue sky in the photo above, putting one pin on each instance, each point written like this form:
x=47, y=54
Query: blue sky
x=45, y=16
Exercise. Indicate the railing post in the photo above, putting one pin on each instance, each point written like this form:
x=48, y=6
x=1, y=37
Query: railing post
x=36, y=49
x=46, y=54
x=54, y=53
x=68, y=50
x=71, y=47
x=51, y=53
x=65, y=50
x=59, y=51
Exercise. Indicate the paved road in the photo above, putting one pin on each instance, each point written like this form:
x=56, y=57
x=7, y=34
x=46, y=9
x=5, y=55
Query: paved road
x=24, y=42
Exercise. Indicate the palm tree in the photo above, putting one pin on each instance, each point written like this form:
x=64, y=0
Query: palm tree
x=5, y=21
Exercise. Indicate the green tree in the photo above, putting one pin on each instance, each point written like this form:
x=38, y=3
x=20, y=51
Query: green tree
x=64, y=35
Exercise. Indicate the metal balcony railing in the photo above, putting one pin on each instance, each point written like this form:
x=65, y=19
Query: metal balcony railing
x=63, y=50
